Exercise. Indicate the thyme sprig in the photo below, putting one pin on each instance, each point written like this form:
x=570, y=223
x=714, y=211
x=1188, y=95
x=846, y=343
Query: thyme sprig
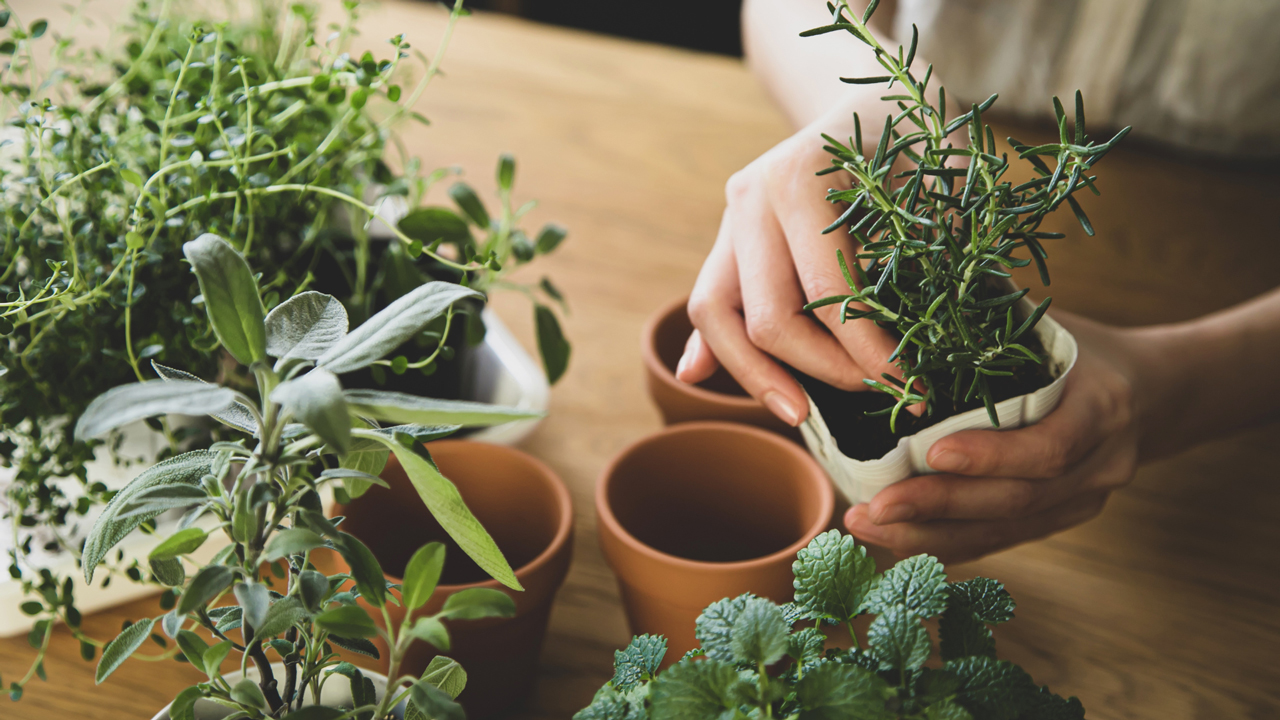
x=940, y=234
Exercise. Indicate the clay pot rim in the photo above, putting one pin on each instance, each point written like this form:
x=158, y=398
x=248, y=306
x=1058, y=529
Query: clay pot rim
x=563, y=501
x=825, y=491
x=649, y=352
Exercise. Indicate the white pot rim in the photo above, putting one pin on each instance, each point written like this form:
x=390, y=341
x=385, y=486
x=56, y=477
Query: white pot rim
x=334, y=693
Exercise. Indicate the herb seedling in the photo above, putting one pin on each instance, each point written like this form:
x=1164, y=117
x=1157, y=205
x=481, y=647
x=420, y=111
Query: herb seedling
x=762, y=660
x=939, y=236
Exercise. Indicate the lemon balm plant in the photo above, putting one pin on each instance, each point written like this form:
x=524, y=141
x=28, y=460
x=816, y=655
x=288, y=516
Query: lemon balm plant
x=304, y=431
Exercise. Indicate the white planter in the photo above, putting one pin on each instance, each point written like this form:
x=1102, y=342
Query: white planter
x=859, y=480
x=335, y=693
x=506, y=375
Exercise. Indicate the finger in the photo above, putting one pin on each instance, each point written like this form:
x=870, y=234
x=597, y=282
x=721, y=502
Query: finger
x=715, y=309
x=961, y=540
x=1043, y=450
x=698, y=362
x=773, y=300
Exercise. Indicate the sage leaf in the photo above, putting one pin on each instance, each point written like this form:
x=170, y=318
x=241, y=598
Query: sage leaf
x=313, y=587
x=182, y=542
x=421, y=575
x=183, y=706
x=110, y=528
x=348, y=621
x=356, y=645
x=282, y=615
x=236, y=416
x=305, y=326
x=315, y=399
x=477, y=603
x=431, y=630
x=446, y=505
x=122, y=405
x=230, y=297
x=205, y=586
x=424, y=411
x=193, y=647
x=434, y=703
x=247, y=692
x=214, y=656
x=119, y=649
x=168, y=571
x=445, y=673
x=365, y=569
x=255, y=601
x=293, y=541
x=395, y=324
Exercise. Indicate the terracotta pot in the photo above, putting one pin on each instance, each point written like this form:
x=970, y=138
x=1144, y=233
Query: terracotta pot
x=719, y=397
x=527, y=510
x=702, y=511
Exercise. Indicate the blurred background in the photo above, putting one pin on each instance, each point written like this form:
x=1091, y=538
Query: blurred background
x=708, y=25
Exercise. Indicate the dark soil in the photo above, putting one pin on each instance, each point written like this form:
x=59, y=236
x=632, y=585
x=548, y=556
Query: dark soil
x=864, y=437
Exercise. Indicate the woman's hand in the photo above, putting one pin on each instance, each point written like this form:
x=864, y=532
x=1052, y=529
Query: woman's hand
x=998, y=489
x=770, y=259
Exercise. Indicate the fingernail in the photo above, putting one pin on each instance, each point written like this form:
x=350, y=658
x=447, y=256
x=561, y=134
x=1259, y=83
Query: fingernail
x=779, y=405
x=852, y=513
x=950, y=461
x=896, y=514
x=680, y=366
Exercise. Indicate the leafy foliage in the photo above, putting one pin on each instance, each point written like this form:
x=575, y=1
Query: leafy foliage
x=736, y=674
x=939, y=235
x=266, y=500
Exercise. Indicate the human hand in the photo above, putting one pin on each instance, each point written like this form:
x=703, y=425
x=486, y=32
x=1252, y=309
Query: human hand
x=998, y=489
x=771, y=258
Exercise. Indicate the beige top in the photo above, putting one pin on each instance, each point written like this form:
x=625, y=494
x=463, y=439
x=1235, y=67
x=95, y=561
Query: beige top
x=1199, y=74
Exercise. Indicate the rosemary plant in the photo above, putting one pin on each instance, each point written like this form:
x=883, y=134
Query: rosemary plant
x=263, y=497
x=263, y=128
x=939, y=235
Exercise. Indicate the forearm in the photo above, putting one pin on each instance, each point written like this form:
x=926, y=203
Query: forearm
x=1210, y=377
x=803, y=74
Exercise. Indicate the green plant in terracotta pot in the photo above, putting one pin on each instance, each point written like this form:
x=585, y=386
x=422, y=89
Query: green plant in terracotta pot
x=299, y=432
x=758, y=659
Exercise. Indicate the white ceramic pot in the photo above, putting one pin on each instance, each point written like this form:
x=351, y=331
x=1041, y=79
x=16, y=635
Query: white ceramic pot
x=860, y=480
x=335, y=693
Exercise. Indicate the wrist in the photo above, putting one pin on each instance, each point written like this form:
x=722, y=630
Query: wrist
x=1174, y=406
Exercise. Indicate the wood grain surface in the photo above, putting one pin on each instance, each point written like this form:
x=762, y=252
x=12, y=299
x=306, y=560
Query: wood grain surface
x=1163, y=608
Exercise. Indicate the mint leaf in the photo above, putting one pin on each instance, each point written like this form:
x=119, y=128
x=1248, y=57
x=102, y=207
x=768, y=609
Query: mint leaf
x=993, y=689
x=693, y=690
x=946, y=710
x=833, y=576
x=962, y=634
x=898, y=640
x=609, y=704
x=1045, y=705
x=714, y=627
x=918, y=584
x=638, y=662
x=833, y=691
x=987, y=599
x=759, y=634
x=805, y=647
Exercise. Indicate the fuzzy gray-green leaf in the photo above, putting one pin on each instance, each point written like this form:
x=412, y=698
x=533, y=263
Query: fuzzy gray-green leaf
x=230, y=297
x=417, y=410
x=305, y=326
x=122, y=405
x=119, y=649
x=315, y=400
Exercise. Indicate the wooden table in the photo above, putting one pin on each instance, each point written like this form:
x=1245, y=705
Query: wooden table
x=1162, y=608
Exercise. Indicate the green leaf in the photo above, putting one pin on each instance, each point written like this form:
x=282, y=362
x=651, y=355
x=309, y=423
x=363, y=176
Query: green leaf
x=315, y=400
x=237, y=415
x=421, y=575
x=898, y=640
x=395, y=324
x=985, y=597
x=365, y=569
x=124, y=645
x=109, y=529
x=638, y=661
x=833, y=691
x=430, y=224
x=552, y=345
x=714, y=627
x=994, y=689
x=431, y=630
x=214, y=656
x=230, y=297
x=131, y=177
x=168, y=571
x=247, y=692
x=946, y=710
x=691, y=689
x=759, y=634
x=434, y=703
x=506, y=171
x=467, y=199
x=255, y=602
x=833, y=576
x=314, y=588
x=446, y=674
x=193, y=647
x=348, y=621
x=805, y=646
x=122, y=405
x=293, y=541
x=424, y=411
x=917, y=583
x=962, y=634
x=37, y=29
x=448, y=508
x=549, y=238
x=356, y=645
x=205, y=586
x=477, y=603
x=182, y=542
x=183, y=706
x=305, y=326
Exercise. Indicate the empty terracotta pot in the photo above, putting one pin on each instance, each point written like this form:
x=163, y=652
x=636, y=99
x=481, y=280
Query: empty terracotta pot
x=719, y=397
x=526, y=508
x=702, y=511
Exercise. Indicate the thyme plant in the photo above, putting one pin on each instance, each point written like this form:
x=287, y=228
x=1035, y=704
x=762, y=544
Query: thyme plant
x=263, y=128
x=939, y=235
x=758, y=659
x=262, y=495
